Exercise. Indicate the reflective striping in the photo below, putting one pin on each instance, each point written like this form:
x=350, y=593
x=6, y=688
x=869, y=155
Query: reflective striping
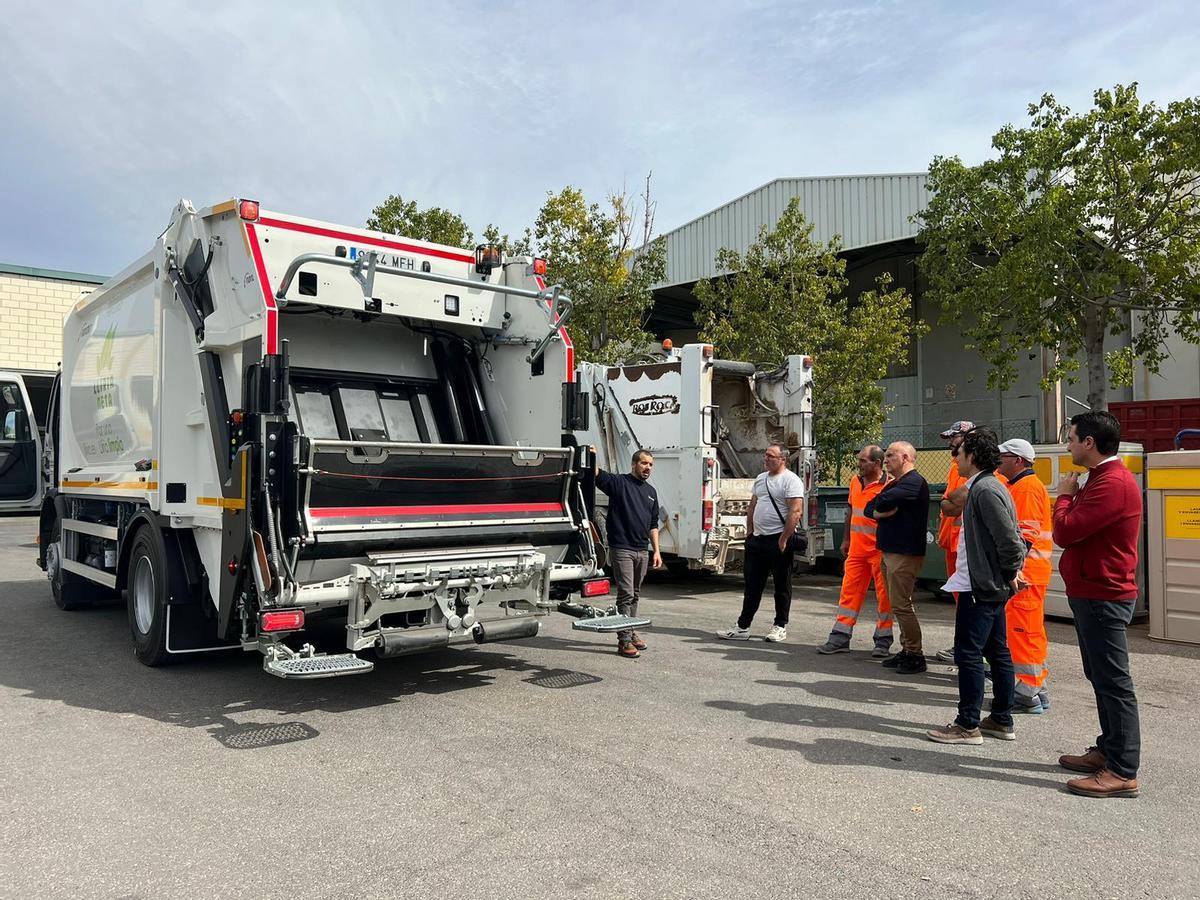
x=862, y=529
x=341, y=512
x=271, y=310
x=321, y=231
x=1182, y=479
x=1035, y=553
x=1033, y=669
x=840, y=628
x=113, y=485
x=222, y=502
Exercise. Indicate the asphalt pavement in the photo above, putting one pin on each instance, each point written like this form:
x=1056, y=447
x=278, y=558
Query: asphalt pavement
x=554, y=768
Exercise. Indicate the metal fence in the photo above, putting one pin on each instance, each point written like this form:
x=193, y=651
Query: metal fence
x=933, y=457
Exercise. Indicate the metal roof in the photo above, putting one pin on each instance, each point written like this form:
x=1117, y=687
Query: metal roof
x=863, y=209
x=56, y=274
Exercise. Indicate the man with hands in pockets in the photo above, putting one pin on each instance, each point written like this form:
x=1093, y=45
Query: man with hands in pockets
x=776, y=504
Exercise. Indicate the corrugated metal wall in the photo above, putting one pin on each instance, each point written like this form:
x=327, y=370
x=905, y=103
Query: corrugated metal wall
x=863, y=209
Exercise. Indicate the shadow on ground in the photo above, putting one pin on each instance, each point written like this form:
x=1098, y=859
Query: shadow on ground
x=84, y=659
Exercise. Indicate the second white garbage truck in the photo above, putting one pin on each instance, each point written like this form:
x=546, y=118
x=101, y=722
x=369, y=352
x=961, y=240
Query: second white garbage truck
x=707, y=421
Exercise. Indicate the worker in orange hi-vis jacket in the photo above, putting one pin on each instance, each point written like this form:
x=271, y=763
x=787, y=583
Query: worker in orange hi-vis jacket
x=953, y=500
x=864, y=562
x=1026, y=613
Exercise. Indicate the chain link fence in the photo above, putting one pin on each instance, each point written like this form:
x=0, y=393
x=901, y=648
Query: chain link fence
x=933, y=457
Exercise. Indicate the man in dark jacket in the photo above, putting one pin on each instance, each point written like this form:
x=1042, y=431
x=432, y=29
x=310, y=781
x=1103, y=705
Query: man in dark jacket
x=986, y=574
x=902, y=511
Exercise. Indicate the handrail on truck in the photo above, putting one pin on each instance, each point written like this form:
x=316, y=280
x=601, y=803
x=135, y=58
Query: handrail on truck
x=560, y=304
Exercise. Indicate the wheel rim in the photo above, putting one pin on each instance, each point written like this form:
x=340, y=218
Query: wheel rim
x=54, y=564
x=143, y=594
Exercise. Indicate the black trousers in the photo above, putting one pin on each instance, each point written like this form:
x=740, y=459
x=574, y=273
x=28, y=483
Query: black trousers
x=1100, y=625
x=763, y=560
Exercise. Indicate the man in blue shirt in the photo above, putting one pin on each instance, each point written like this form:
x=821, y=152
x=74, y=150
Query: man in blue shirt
x=632, y=523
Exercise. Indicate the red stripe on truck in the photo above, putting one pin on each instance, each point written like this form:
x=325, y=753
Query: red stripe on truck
x=566, y=338
x=272, y=311
x=360, y=239
x=350, y=512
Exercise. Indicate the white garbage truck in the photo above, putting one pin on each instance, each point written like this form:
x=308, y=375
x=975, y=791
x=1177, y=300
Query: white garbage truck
x=707, y=421
x=268, y=421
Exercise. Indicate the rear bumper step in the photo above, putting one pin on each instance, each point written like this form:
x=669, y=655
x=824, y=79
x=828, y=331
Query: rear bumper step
x=606, y=624
x=317, y=666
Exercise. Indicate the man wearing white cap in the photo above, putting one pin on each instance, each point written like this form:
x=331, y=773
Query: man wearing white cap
x=1026, y=613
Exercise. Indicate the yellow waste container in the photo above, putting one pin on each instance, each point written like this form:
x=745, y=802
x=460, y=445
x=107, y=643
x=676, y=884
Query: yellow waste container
x=1173, y=532
x=1052, y=461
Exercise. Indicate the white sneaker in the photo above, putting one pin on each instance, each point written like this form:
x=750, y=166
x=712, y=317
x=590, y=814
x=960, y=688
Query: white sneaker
x=777, y=633
x=734, y=634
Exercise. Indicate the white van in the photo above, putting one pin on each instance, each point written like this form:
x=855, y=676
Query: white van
x=21, y=484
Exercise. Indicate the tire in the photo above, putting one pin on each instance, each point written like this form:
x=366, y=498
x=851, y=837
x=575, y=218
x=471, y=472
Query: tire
x=146, y=598
x=70, y=592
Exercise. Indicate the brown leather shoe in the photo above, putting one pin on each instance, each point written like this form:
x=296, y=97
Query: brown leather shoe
x=1103, y=784
x=628, y=650
x=637, y=641
x=1091, y=761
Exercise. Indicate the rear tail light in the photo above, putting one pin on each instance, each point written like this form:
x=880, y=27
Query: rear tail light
x=707, y=351
x=248, y=210
x=281, y=620
x=709, y=511
x=812, y=510
x=539, y=267
x=597, y=588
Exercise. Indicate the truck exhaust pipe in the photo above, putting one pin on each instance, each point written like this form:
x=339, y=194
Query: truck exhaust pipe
x=514, y=630
x=402, y=643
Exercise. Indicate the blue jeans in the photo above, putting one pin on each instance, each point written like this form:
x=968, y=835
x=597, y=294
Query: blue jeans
x=979, y=631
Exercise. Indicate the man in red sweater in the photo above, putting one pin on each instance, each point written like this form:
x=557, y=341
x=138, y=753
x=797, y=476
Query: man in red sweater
x=1097, y=526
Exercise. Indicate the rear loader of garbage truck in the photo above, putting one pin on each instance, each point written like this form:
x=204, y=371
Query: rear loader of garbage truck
x=268, y=422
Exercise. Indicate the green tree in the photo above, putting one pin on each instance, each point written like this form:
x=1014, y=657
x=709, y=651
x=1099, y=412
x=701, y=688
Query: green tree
x=404, y=218
x=591, y=255
x=1083, y=226
x=786, y=295
x=522, y=246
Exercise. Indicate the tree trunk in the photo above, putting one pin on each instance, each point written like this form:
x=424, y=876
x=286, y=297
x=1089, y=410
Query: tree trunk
x=1093, y=342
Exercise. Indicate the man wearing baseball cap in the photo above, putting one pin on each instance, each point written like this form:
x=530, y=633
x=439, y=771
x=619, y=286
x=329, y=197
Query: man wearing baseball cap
x=1026, y=613
x=953, y=500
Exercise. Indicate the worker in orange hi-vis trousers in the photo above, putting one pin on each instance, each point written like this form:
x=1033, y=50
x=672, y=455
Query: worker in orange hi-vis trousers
x=864, y=562
x=953, y=500
x=1026, y=612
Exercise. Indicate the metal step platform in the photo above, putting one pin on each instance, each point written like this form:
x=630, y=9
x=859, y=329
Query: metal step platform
x=318, y=666
x=605, y=624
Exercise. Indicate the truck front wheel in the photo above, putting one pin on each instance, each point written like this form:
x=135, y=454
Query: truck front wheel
x=146, y=591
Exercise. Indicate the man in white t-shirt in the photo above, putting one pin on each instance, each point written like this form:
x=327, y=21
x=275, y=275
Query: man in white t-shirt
x=776, y=504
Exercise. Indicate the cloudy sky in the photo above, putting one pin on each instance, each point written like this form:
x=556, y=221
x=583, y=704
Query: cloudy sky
x=110, y=112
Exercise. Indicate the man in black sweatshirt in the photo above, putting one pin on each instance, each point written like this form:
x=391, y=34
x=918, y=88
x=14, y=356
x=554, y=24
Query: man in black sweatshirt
x=902, y=511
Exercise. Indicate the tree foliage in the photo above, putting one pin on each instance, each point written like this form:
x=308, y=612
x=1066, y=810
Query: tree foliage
x=1083, y=226
x=591, y=254
x=786, y=295
x=398, y=216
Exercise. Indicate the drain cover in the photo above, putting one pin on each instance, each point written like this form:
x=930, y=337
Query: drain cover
x=562, y=678
x=251, y=737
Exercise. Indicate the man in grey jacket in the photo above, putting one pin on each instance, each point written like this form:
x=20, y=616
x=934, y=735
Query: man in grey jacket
x=987, y=573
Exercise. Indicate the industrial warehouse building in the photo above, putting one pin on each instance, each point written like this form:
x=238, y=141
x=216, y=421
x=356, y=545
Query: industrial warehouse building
x=941, y=381
x=873, y=215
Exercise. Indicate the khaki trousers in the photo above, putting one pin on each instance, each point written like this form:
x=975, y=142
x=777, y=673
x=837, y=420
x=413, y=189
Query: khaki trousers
x=900, y=572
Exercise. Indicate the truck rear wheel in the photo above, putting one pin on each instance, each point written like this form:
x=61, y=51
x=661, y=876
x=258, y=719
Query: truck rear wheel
x=70, y=592
x=146, y=593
